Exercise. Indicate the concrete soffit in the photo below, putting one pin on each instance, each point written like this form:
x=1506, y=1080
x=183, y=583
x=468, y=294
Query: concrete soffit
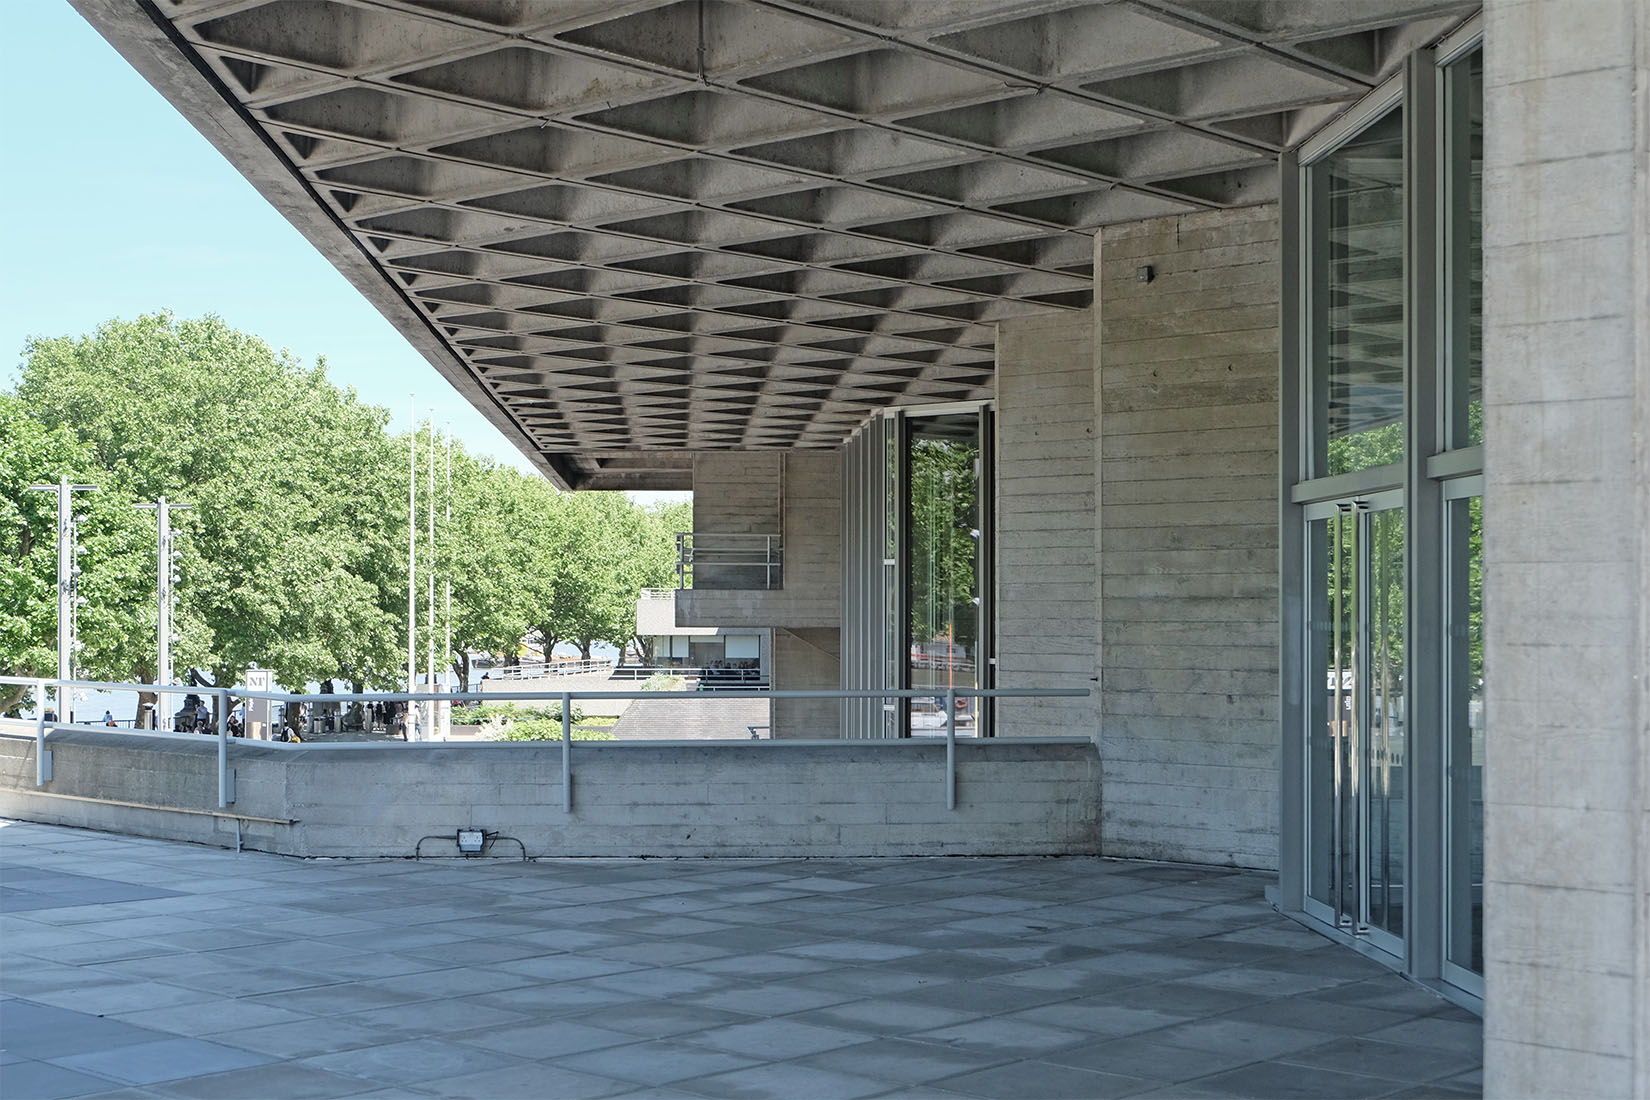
x=627, y=230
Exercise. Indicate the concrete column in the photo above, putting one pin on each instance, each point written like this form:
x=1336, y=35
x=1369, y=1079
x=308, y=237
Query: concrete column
x=1566, y=544
x=1188, y=413
x=1047, y=607
x=797, y=495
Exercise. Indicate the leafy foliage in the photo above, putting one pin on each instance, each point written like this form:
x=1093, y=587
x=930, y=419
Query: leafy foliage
x=943, y=550
x=294, y=549
x=542, y=730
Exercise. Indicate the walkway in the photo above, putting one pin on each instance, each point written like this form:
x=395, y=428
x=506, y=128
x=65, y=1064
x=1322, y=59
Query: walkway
x=136, y=968
x=705, y=719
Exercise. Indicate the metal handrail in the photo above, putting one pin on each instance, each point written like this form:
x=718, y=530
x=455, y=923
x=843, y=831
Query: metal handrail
x=226, y=777
x=728, y=550
x=549, y=668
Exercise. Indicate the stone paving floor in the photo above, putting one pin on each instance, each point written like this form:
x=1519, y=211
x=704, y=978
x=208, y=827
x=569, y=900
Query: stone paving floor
x=139, y=968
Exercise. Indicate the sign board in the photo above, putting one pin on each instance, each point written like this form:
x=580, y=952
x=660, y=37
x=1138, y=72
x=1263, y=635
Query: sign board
x=260, y=712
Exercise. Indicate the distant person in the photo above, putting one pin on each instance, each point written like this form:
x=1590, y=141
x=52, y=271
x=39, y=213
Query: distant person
x=203, y=717
x=51, y=715
x=108, y=718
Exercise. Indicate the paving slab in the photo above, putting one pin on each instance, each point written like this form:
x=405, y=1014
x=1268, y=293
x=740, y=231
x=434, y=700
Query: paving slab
x=182, y=971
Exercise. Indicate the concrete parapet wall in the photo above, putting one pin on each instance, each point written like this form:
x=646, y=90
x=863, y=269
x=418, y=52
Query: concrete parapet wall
x=860, y=798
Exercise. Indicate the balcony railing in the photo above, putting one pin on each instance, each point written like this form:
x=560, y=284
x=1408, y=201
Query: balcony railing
x=39, y=729
x=731, y=561
x=535, y=670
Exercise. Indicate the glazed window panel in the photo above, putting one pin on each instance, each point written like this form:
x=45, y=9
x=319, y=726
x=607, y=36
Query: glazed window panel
x=1463, y=182
x=1358, y=289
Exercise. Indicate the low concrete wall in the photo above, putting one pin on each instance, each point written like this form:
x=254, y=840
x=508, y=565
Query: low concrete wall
x=734, y=799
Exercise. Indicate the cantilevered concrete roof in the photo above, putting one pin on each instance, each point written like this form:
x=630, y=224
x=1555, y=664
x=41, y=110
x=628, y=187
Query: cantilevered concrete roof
x=631, y=229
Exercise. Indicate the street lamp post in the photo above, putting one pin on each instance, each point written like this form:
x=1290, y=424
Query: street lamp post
x=165, y=558
x=67, y=583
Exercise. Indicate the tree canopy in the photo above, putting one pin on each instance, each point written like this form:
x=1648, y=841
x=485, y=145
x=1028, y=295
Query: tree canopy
x=293, y=553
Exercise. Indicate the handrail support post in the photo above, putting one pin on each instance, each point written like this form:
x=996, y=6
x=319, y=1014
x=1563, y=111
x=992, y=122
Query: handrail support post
x=226, y=793
x=566, y=752
x=951, y=749
x=42, y=755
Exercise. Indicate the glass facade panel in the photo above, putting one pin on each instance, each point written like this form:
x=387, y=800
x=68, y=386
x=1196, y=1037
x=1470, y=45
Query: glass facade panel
x=1391, y=578
x=1464, y=249
x=1330, y=713
x=1384, y=757
x=1465, y=946
x=943, y=593
x=1357, y=378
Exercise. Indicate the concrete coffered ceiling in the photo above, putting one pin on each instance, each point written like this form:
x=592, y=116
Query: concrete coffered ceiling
x=627, y=230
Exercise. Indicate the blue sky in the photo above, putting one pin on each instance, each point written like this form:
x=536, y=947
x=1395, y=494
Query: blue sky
x=115, y=206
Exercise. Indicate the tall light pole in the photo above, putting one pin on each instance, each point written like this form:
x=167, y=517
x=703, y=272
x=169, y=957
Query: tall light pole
x=67, y=584
x=412, y=558
x=446, y=534
x=429, y=641
x=166, y=559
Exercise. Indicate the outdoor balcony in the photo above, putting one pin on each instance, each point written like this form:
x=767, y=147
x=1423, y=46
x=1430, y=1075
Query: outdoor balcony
x=153, y=965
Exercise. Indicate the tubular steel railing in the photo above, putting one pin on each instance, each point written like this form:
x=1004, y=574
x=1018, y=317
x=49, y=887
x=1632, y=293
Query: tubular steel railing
x=222, y=695
x=732, y=561
x=533, y=670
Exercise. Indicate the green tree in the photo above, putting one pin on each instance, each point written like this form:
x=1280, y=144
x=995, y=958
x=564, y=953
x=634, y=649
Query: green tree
x=117, y=581
x=289, y=554
x=943, y=544
x=294, y=549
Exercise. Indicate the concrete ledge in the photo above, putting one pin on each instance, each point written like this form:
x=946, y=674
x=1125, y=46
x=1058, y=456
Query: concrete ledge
x=1020, y=796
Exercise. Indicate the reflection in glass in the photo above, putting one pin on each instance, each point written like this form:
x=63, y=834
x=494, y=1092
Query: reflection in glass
x=1464, y=251
x=942, y=595
x=893, y=631
x=1330, y=712
x=1358, y=295
x=1386, y=760
x=1358, y=803
x=1466, y=733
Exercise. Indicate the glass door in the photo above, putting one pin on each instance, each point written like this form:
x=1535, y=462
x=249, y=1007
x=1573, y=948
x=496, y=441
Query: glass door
x=945, y=569
x=1357, y=729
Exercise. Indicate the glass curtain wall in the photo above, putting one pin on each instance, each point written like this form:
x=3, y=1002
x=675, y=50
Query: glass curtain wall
x=944, y=568
x=1462, y=102
x=916, y=570
x=1358, y=391
x=871, y=638
x=1386, y=698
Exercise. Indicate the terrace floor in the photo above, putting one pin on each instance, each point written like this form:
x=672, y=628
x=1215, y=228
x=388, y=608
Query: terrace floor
x=140, y=968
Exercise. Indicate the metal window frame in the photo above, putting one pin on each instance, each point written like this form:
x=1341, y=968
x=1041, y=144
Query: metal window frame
x=1430, y=477
x=984, y=581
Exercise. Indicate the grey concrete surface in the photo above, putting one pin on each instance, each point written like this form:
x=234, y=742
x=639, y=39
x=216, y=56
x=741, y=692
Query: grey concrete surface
x=255, y=975
x=1188, y=396
x=707, y=719
x=1047, y=595
x=624, y=243
x=742, y=798
x=1567, y=547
